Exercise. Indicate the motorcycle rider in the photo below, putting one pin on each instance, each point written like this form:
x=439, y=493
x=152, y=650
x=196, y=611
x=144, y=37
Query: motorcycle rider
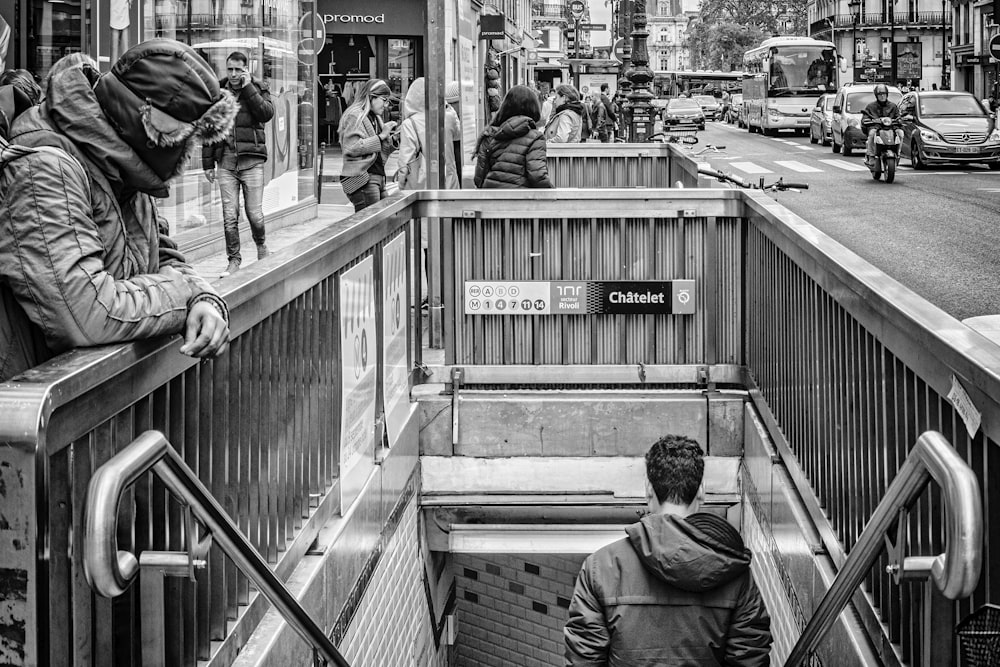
x=880, y=108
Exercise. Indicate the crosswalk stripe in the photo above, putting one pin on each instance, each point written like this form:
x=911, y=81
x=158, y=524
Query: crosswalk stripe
x=797, y=166
x=804, y=147
x=750, y=168
x=846, y=166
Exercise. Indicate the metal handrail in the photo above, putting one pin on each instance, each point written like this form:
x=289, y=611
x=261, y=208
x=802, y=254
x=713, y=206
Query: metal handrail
x=955, y=572
x=110, y=571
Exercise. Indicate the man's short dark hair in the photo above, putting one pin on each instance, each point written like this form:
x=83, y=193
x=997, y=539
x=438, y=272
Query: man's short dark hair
x=605, y=87
x=675, y=466
x=238, y=56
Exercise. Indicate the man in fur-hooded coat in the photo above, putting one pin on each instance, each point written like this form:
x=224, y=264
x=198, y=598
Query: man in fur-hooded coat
x=84, y=256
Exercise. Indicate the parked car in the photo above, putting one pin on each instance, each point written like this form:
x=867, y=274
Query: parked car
x=948, y=126
x=821, y=119
x=683, y=111
x=845, y=123
x=709, y=106
x=735, y=107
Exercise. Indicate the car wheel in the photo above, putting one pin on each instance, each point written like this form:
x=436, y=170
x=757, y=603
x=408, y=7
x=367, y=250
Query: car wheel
x=847, y=150
x=701, y=127
x=822, y=134
x=812, y=137
x=836, y=146
x=916, y=160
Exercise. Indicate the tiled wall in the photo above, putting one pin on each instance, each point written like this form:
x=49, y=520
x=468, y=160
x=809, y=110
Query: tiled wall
x=392, y=626
x=511, y=608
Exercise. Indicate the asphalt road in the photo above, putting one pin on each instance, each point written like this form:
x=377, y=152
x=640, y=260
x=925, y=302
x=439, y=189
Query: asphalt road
x=935, y=231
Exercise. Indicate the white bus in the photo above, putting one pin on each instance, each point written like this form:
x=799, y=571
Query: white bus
x=782, y=79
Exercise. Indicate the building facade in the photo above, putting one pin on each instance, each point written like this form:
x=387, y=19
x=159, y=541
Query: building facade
x=973, y=68
x=667, y=26
x=905, y=42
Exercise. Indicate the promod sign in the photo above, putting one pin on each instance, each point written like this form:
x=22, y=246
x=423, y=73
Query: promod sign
x=575, y=297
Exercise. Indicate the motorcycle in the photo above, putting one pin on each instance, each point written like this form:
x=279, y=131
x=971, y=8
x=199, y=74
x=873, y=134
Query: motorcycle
x=888, y=139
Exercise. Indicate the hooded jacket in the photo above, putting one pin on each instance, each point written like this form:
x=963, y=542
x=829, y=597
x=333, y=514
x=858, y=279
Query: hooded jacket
x=247, y=137
x=84, y=259
x=412, y=157
x=566, y=125
x=512, y=155
x=667, y=595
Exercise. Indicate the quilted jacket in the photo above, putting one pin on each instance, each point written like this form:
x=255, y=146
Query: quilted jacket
x=668, y=595
x=512, y=155
x=248, y=136
x=84, y=259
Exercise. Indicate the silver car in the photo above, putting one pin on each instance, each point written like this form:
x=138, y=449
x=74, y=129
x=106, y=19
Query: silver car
x=821, y=119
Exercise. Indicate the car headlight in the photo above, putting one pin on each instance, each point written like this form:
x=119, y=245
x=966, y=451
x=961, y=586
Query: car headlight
x=930, y=135
x=994, y=135
x=854, y=122
x=773, y=111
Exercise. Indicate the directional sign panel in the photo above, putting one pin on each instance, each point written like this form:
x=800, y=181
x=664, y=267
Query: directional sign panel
x=566, y=297
x=593, y=26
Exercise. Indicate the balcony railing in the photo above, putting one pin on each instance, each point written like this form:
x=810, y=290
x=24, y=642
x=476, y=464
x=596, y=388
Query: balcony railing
x=869, y=19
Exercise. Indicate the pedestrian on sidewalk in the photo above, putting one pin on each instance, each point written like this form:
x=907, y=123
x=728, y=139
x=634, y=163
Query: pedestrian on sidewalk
x=367, y=143
x=240, y=157
x=566, y=122
x=412, y=155
x=511, y=151
x=677, y=590
x=84, y=256
x=452, y=122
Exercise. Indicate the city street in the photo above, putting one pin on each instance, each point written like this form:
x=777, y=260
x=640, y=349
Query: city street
x=936, y=231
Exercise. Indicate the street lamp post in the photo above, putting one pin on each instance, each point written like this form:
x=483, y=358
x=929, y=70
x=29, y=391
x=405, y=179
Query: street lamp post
x=892, y=42
x=640, y=76
x=854, y=6
x=944, y=46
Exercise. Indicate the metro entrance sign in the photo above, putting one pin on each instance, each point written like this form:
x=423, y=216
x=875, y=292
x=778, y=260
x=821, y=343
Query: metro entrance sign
x=995, y=47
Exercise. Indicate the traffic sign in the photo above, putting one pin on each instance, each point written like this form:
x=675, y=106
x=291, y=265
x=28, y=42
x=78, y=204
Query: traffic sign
x=593, y=26
x=995, y=46
x=577, y=8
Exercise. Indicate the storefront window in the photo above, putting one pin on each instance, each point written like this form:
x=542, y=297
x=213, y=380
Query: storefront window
x=54, y=30
x=273, y=35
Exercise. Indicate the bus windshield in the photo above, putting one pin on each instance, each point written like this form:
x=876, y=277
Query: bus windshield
x=801, y=69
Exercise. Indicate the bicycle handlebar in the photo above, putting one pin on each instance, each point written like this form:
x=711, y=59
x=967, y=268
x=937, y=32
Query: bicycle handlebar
x=780, y=184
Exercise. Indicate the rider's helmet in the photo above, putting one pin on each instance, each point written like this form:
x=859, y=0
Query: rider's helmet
x=881, y=92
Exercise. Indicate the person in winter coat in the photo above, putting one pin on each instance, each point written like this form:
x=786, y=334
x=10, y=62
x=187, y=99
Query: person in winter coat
x=84, y=256
x=566, y=123
x=240, y=158
x=511, y=151
x=367, y=143
x=677, y=590
x=412, y=156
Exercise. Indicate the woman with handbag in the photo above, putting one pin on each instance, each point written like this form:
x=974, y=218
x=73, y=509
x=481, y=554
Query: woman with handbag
x=367, y=143
x=511, y=151
x=412, y=174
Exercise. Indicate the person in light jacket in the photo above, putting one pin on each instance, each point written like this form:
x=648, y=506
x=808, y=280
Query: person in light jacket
x=367, y=143
x=566, y=123
x=412, y=156
x=511, y=151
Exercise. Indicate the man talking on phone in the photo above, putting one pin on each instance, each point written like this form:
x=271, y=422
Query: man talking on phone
x=237, y=161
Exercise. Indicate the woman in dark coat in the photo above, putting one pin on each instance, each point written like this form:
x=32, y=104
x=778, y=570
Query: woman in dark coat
x=511, y=151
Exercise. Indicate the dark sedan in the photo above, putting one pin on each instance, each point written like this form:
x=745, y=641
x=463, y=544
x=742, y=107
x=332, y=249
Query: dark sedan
x=948, y=126
x=709, y=106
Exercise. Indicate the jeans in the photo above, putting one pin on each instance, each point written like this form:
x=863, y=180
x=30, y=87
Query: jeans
x=252, y=182
x=369, y=194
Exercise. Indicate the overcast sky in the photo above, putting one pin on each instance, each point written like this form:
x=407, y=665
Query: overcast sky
x=600, y=14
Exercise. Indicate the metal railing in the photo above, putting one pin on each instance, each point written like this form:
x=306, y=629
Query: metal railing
x=110, y=571
x=259, y=426
x=843, y=363
x=901, y=19
x=955, y=572
x=643, y=165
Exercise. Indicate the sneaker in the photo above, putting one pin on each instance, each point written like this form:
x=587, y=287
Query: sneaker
x=233, y=267
x=262, y=251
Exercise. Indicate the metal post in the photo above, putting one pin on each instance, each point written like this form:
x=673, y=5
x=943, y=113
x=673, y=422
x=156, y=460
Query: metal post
x=640, y=76
x=892, y=42
x=855, y=7
x=944, y=45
